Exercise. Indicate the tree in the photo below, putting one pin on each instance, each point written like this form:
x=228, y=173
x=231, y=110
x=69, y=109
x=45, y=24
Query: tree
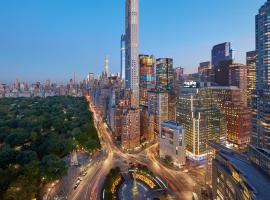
x=21, y=189
x=32, y=171
x=25, y=157
x=7, y=157
x=53, y=168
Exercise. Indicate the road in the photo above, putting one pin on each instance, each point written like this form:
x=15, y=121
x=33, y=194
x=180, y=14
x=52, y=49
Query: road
x=180, y=184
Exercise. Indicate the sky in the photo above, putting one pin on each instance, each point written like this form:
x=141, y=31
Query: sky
x=52, y=39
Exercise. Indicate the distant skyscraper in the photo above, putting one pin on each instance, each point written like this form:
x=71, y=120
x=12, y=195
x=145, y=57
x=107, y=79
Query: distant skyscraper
x=106, y=65
x=251, y=74
x=221, y=52
x=123, y=57
x=164, y=73
x=131, y=45
x=261, y=106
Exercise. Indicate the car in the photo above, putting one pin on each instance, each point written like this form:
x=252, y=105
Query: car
x=80, y=178
x=84, y=174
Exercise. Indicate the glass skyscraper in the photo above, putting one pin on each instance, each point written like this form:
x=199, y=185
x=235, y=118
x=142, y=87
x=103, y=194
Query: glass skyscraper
x=164, y=73
x=147, y=77
x=221, y=52
x=131, y=45
x=260, y=148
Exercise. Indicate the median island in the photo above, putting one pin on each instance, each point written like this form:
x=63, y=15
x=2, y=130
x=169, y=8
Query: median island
x=36, y=136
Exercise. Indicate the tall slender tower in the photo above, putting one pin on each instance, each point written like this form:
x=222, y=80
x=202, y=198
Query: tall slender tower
x=131, y=45
x=123, y=57
x=106, y=65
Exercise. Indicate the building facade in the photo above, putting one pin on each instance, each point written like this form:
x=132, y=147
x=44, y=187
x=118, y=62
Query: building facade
x=158, y=107
x=172, y=142
x=238, y=78
x=237, y=116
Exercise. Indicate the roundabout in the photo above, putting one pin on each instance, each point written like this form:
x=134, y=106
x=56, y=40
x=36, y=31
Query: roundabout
x=136, y=184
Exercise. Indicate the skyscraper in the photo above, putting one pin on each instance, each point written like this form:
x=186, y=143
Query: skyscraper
x=260, y=149
x=164, y=73
x=147, y=77
x=221, y=52
x=131, y=45
x=123, y=57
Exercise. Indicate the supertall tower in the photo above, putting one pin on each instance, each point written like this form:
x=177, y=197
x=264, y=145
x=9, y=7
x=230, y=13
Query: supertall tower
x=123, y=57
x=131, y=45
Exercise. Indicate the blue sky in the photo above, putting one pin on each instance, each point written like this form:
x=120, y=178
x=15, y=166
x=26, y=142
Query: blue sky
x=51, y=39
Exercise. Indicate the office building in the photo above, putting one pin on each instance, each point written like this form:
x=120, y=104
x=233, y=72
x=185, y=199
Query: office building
x=131, y=47
x=221, y=52
x=260, y=149
x=251, y=74
x=198, y=112
x=147, y=77
x=234, y=177
x=164, y=73
x=172, y=142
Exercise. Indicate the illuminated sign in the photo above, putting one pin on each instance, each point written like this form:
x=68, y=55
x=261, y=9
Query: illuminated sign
x=191, y=84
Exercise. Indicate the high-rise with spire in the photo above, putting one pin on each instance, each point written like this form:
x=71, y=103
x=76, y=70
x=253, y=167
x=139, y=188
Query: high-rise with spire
x=131, y=45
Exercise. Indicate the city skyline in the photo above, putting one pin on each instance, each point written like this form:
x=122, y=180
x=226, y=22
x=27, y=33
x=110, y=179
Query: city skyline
x=64, y=42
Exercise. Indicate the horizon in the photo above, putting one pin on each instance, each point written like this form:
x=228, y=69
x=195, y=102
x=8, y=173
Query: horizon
x=52, y=40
